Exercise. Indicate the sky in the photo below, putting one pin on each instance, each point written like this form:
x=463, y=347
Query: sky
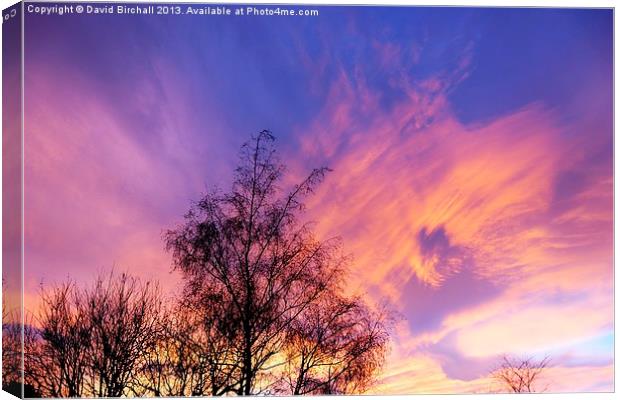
x=471, y=151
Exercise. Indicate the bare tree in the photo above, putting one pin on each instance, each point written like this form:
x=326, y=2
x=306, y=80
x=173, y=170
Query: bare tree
x=213, y=340
x=335, y=347
x=11, y=347
x=262, y=308
x=190, y=358
x=520, y=375
x=92, y=341
x=171, y=366
x=246, y=257
x=123, y=316
x=57, y=363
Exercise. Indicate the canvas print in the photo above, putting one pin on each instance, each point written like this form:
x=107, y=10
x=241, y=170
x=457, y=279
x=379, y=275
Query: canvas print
x=286, y=199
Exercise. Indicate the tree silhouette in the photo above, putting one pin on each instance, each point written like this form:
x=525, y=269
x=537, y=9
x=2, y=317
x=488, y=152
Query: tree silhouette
x=189, y=360
x=263, y=308
x=247, y=259
x=91, y=342
x=57, y=364
x=11, y=347
x=335, y=347
x=520, y=375
x=124, y=316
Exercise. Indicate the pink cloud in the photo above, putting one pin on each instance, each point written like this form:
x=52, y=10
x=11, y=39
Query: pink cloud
x=98, y=197
x=496, y=191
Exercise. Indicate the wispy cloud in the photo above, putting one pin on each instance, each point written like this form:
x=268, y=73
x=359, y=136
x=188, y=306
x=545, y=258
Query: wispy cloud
x=487, y=237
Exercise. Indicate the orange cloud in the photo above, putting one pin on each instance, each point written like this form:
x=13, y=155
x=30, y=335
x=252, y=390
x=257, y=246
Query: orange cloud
x=516, y=202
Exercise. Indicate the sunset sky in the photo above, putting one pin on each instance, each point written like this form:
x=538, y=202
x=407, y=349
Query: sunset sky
x=471, y=152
